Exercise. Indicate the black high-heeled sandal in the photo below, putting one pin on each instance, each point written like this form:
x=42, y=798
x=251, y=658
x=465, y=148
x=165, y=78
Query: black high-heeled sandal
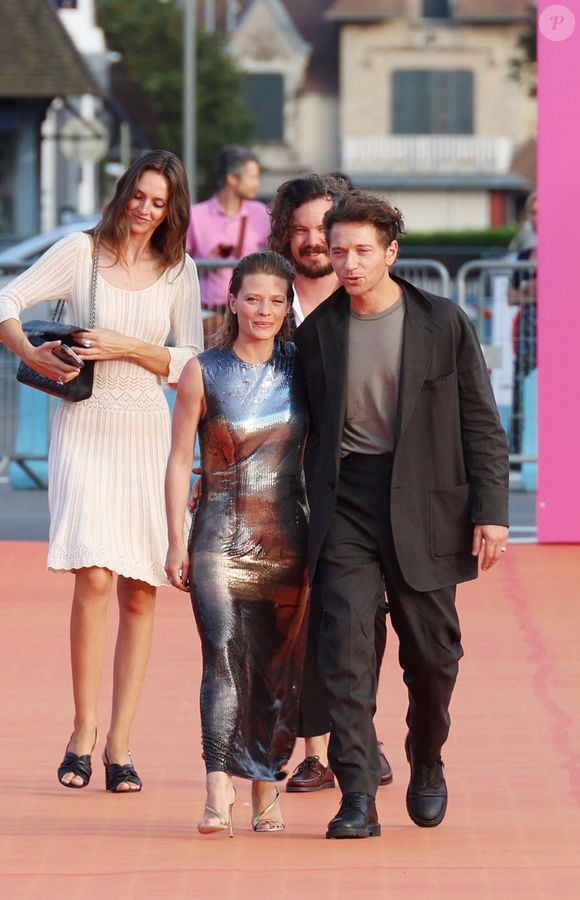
x=78, y=765
x=116, y=775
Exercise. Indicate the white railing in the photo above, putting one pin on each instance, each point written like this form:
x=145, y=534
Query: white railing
x=427, y=154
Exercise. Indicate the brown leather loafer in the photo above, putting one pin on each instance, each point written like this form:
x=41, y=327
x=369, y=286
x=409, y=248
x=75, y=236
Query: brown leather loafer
x=386, y=771
x=310, y=775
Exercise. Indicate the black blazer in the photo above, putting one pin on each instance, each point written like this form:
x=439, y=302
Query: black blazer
x=450, y=466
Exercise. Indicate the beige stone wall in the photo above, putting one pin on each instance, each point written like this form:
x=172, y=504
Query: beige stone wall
x=317, y=132
x=370, y=54
x=312, y=144
x=261, y=47
x=440, y=210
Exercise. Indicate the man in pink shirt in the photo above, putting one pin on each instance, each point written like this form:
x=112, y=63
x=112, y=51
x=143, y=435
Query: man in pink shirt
x=230, y=224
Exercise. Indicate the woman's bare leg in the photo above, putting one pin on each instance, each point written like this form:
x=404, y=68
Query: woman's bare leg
x=88, y=631
x=136, y=614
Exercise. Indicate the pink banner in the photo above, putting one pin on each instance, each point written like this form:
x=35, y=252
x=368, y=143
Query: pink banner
x=559, y=273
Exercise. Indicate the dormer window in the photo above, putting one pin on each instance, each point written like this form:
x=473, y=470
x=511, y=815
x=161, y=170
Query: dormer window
x=265, y=96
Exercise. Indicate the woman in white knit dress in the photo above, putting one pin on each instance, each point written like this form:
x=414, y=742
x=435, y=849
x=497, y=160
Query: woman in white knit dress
x=108, y=453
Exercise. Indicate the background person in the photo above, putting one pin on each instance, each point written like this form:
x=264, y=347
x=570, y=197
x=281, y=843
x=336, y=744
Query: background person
x=297, y=232
x=522, y=293
x=409, y=487
x=105, y=496
x=246, y=565
x=526, y=236
x=230, y=224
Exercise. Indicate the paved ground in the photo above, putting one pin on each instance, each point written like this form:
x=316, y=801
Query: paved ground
x=512, y=830
x=24, y=514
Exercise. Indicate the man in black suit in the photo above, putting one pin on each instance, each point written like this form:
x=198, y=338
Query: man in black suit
x=296, y=212
x=408, y=483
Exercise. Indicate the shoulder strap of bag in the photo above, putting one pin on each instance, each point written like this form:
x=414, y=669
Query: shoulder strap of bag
x=59, y=309
x=240, y=244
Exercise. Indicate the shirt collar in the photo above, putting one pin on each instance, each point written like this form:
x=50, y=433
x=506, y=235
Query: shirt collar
x=214, y=203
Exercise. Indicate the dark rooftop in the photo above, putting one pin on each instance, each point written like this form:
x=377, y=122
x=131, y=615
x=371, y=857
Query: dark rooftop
x=38, y=58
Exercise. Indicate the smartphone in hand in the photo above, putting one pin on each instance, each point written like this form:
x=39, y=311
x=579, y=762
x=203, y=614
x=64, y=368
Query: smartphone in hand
x=68, y=355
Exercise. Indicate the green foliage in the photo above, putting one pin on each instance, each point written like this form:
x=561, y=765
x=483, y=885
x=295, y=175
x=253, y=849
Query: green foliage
x=148, y=81
x=223, y=115
x=523, y=65
x=489, y=237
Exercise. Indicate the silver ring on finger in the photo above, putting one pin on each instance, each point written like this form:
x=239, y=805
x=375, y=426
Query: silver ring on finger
x=87, y=345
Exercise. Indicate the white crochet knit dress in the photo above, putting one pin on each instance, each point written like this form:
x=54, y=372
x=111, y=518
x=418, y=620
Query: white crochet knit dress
x=108, y=454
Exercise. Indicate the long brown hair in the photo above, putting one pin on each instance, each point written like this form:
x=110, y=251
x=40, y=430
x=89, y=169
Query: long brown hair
x=263, y=262
x=169, y=238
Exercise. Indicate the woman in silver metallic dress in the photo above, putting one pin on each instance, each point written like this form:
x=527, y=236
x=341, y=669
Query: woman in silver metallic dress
x=246, y=565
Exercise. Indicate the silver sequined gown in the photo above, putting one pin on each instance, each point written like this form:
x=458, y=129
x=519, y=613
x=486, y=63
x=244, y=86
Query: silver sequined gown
x=248, y=561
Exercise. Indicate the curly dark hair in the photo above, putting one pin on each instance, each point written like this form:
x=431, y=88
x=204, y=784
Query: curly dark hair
x=169, y=238
x=365, y=208
x=263, y=262
x=293, y=194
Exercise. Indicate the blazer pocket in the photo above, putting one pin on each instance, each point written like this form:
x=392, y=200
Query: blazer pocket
x=444, y=382
x=451, y=530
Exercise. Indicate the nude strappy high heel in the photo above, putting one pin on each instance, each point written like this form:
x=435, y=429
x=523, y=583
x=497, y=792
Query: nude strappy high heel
x=269, y=824
x=224, y=823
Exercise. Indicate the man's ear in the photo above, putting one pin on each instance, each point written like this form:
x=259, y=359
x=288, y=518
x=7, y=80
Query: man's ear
x=392, y=253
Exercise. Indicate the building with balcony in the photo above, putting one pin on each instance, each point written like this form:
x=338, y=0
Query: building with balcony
x=412, y=98
x=289, y=52
x=429, y=114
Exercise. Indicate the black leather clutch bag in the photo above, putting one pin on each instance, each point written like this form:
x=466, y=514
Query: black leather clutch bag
x=39, y=331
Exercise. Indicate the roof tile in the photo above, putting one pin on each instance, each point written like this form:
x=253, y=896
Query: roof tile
x=39, y=59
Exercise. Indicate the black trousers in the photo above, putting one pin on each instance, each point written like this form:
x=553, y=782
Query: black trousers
x=357, y=556
x=313, y=716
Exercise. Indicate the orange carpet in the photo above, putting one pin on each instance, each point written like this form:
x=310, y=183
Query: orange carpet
x=512, y=763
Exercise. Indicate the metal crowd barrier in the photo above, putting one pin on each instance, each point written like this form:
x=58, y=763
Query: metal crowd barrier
x=25, y=418
x=8, y=407
x=507, y=333
x=428, y=274
x=481, y=288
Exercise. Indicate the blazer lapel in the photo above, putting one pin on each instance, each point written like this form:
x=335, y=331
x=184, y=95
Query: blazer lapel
x=419, y=337
x=332, y=331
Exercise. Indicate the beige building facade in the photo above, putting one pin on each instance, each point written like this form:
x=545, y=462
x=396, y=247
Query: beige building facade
x=413, y=99
x=429, y=114
x=289, y=52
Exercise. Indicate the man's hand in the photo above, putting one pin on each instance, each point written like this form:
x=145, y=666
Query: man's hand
x=490, y=541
